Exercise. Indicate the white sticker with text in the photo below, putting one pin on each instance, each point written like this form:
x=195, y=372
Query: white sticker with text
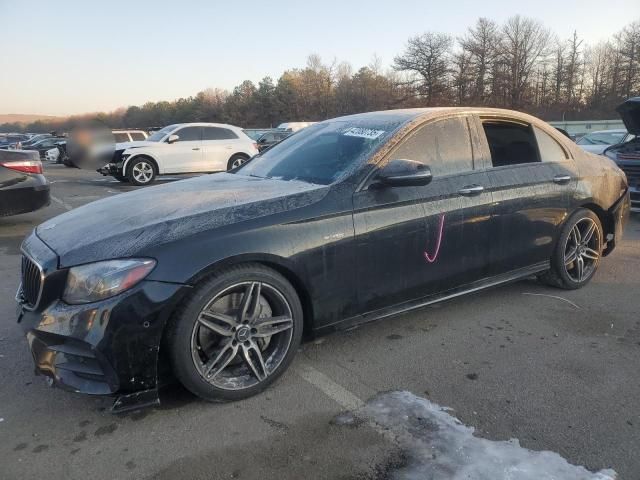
x=363, y=132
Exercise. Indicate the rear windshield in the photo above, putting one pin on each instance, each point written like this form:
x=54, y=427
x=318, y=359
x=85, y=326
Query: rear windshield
x=319, y=154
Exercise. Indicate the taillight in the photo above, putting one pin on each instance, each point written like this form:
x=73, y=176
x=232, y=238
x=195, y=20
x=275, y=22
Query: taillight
x=26, y=166
x=255, y=145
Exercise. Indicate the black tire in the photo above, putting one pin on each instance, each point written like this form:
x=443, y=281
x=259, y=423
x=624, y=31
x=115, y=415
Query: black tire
x=188, y=353
x=236, y=160
x=568, y=275
x=138, y=165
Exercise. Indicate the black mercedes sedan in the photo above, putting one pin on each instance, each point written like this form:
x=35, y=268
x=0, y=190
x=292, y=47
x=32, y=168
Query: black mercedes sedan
x=350, y=220
x=23, y=187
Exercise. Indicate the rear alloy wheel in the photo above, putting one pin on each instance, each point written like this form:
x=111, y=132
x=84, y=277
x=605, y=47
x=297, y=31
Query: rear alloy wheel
x=577, y=253
x=141, y=172
x=236, y=160
x=237, y=333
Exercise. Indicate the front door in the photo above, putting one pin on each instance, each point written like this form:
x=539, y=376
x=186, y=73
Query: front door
x=532, y=179
x=413, y=242
x=184, y=155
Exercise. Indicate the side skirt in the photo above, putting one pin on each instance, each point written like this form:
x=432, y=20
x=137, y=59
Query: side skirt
x=429, y=300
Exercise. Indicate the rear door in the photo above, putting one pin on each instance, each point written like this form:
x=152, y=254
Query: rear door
x=217, y=146
x=185, y=155
x=532, y=180
x=413, y=242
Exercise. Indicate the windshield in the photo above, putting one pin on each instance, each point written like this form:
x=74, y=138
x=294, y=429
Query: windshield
x=158, y=135
x=319, y=154
x=602, y=138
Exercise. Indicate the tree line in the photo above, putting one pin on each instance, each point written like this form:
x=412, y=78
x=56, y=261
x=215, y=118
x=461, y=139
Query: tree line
x=519, y=64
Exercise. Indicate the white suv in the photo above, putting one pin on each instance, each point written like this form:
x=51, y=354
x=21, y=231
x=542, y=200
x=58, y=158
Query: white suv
x=181, y=148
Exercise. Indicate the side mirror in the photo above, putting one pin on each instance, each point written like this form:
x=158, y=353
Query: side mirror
x=173, y=138
x=404, y=173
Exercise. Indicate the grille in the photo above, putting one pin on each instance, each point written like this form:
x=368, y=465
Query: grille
x=632, y=172
x=31, y=282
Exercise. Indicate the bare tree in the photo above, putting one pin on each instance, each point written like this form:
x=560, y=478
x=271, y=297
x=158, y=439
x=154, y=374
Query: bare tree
x=524, y=42
x=427, y=56
x=481, y=42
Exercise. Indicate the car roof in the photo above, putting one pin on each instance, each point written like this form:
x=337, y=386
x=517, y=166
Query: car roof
x=206, y=124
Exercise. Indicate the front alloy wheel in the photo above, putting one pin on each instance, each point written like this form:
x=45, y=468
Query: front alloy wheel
x=237, y=333
x=242, y=335
x=141, y=172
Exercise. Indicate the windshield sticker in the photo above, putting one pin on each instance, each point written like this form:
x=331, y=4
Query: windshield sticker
x=363, y=132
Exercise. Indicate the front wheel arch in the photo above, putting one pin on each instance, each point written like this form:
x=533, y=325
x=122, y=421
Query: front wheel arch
x=129, y=161
x=276, y=263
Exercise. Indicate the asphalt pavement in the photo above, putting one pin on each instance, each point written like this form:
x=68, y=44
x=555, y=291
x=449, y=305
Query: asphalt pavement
x=557, y=370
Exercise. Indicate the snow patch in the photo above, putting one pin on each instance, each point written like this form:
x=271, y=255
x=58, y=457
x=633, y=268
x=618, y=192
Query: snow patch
x=440, y=447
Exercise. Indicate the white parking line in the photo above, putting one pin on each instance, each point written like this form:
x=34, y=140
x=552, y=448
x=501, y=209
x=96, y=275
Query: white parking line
x=331, y=389
x=65, y=205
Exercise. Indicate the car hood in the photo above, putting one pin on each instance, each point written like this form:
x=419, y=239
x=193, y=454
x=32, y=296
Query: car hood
x=630, y=113
x=128, y=224
x=137, y=143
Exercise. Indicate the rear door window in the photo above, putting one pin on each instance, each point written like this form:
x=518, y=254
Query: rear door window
x=510, y=143
x=444, y=146
x=121, y=137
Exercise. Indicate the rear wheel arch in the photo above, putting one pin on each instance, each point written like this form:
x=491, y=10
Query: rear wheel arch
x=235, y=156
x=606, y=218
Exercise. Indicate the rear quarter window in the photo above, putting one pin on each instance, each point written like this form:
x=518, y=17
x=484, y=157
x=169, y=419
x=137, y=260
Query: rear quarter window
x=550, y=149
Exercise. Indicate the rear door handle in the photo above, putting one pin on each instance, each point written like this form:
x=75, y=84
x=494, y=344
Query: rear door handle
x=195, y=148
x=471, y=190
x=562, y=179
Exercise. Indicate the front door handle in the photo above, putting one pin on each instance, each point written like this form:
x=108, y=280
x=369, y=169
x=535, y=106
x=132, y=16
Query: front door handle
x=562, y=179
x=471, y=190
x=195, y=148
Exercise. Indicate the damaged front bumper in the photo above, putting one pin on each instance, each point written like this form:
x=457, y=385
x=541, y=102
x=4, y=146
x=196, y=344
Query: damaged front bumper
x=109, y=347
x=111, y=169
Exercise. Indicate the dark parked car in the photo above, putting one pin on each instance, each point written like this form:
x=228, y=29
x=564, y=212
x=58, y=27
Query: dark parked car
x=41, y=146
x=269, y=139
x=350, y=220
x=12, y=140
x=23, y=187
x=36, y=138
x=627, y=155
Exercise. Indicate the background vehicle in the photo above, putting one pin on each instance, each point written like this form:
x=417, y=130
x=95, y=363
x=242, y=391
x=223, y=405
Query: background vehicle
x=350, y=220
x=269, y=139
x=11, y=140
x=181, y=148
x=122, y=136
x=41, y=146
x=597, y=142
x=35, y=138
x=255, y=133
x=294, y=126
x=23, y=187
x=627, y=154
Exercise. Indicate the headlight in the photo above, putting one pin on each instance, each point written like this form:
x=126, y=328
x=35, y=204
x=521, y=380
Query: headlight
x=97, y=281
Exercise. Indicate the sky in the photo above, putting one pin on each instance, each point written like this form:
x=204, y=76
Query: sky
x=64, y=57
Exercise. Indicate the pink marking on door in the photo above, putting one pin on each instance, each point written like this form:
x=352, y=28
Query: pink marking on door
x=433, y=257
